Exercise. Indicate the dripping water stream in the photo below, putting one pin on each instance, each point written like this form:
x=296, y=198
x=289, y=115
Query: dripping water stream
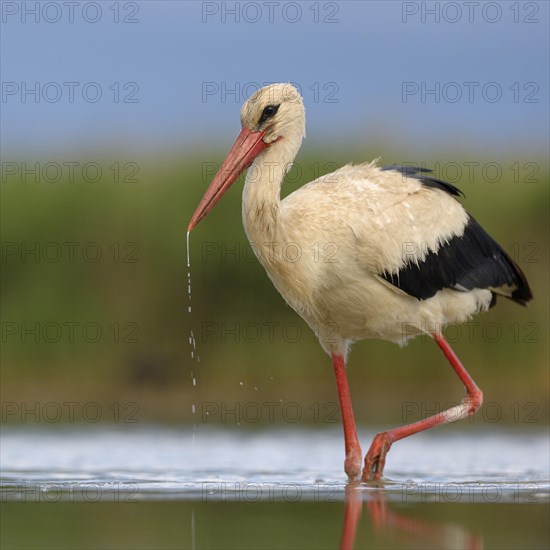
x=192, y=341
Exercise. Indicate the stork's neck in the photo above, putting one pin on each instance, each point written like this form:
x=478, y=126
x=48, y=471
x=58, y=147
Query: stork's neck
x=262, y=191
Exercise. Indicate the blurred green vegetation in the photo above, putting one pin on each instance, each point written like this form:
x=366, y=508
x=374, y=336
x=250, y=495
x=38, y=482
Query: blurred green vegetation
x=252, y=347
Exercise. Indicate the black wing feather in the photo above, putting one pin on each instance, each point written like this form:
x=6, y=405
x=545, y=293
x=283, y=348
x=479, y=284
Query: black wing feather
x=471, y=260
x=419, y=173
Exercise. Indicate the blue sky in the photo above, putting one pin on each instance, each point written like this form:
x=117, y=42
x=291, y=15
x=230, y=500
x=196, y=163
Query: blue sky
x=179, y=62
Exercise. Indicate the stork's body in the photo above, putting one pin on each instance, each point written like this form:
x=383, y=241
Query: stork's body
x=327, y=245
x=362, y=252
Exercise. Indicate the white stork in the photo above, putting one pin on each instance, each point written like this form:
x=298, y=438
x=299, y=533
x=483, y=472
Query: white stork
x=384, y=253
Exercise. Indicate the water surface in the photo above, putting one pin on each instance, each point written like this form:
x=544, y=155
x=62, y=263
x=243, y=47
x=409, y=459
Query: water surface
x=161, y=488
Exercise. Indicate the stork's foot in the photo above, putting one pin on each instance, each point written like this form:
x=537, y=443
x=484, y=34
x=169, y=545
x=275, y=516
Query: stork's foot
x=376, y=457
x=352, y=464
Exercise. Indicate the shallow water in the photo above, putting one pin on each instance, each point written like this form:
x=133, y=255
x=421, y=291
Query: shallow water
x=161, y=488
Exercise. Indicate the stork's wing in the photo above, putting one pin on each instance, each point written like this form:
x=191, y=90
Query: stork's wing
x=408, y=229
x=464, y=262
x=425, y=241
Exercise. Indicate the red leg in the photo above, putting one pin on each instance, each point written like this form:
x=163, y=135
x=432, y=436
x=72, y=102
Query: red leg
x=352, y=465
x=376, y=457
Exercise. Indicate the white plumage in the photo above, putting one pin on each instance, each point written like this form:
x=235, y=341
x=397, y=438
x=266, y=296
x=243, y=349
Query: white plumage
x=350, y=226
x=363, y=252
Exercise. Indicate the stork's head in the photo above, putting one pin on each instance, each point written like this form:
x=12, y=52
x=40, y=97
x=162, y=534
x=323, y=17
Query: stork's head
x=273, y=117
x=276, y=110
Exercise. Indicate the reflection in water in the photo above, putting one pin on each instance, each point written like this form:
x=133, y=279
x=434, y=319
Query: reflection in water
x=352, y=514
x=416, y=532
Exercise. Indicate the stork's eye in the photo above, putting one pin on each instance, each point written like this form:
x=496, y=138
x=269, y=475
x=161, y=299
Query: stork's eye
x=268, y=112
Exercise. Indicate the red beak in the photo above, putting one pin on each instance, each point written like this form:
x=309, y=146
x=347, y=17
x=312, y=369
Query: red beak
x=246, y=148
